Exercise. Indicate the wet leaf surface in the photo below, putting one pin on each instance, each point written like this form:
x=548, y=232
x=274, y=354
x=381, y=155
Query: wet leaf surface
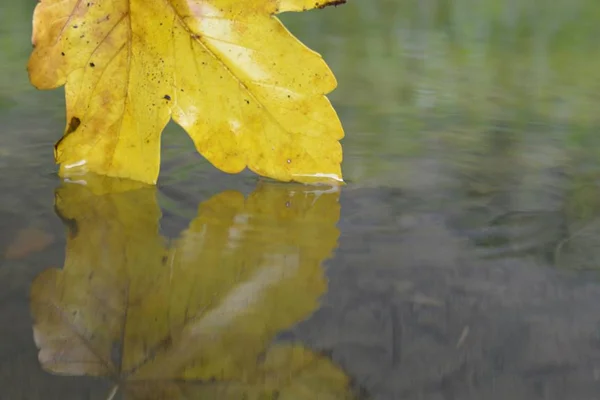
x=129, y=66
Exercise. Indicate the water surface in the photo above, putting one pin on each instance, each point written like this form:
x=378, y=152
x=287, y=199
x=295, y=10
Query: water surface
x=459, y=262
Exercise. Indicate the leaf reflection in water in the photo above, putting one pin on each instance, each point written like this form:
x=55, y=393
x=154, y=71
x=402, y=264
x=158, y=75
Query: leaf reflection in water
x=194, y=317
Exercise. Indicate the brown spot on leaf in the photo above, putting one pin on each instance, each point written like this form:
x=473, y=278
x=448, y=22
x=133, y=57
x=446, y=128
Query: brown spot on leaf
x=333, y=3
x=73, y=125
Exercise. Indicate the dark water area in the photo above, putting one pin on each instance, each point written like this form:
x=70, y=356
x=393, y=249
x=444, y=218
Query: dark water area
x=458, y=262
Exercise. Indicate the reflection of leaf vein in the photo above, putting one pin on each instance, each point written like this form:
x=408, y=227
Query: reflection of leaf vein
x=162, y=346
x=123, y=329
x=103, y=301
x=81, y=335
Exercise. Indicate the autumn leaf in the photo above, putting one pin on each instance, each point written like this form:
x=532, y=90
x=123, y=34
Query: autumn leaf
x=247, y=92
x=196, y=317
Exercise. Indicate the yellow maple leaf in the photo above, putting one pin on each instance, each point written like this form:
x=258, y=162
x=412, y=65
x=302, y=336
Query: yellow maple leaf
x=248, y=93
x=194, y=318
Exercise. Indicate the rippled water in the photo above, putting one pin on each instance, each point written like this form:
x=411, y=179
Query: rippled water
x=457, y=263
